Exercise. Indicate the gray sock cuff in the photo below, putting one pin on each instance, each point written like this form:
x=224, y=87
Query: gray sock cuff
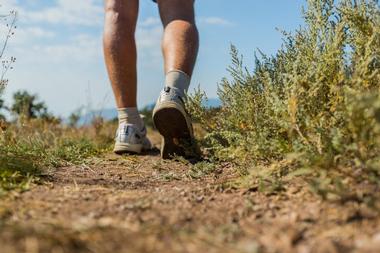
x=127, y=112
x=130, y=115
x=178, y=79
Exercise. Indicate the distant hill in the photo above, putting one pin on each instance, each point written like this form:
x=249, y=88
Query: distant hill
x=111, y=113
x=107, y=114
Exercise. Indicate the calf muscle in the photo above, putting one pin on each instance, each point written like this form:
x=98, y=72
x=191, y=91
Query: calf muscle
x=120, y=49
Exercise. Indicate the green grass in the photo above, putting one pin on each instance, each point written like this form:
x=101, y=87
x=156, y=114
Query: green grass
x=313, y=109
x=29, y=149
x=201, y=169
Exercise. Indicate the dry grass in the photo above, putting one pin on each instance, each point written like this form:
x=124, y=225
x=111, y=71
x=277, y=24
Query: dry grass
x=29, y=148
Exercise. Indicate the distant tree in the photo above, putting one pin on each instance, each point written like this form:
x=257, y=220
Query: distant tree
x=28, y=106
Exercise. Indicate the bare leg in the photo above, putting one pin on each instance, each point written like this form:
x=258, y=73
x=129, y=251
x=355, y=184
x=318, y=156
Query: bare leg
x=180, y=42
x=120, y=56
x=120, y=49
x=180, y=49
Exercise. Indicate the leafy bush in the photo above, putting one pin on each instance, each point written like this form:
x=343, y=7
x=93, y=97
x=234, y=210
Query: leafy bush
x=316, y=103
x=27, y=106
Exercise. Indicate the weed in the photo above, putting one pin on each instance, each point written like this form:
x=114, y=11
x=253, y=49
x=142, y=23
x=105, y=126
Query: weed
x=315, y=104
x=201, y=169
x=169, y=176
x=29, y=148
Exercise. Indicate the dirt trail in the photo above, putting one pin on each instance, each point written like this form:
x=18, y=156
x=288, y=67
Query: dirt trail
x=142, y=204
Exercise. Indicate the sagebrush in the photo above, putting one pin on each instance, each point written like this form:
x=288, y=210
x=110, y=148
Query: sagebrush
x=315, y=104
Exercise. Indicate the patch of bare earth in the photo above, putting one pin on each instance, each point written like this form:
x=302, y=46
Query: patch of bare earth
x=143, y=204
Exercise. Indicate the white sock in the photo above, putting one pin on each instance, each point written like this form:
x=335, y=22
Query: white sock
x=178, y=79
x=130, y=115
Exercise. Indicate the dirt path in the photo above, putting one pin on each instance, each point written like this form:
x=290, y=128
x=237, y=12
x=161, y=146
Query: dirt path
x=141, y=204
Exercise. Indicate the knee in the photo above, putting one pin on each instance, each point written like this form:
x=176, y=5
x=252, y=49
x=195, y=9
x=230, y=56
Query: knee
x=120, y=13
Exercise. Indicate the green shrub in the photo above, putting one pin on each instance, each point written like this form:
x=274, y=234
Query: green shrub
x=30, y=148
x=316, y=103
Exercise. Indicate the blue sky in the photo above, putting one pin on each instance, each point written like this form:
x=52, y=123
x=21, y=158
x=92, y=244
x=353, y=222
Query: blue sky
x=59, y=55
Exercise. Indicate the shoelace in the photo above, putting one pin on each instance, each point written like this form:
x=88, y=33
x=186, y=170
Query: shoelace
x=126, y=130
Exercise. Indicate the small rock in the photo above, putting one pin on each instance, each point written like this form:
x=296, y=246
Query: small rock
x=199, y=199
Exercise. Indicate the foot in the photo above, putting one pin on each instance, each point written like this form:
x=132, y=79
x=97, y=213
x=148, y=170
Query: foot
x=174, y=124
x=131, y=140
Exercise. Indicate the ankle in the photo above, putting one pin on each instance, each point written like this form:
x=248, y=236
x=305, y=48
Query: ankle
x=179, y=80
x=130, y=115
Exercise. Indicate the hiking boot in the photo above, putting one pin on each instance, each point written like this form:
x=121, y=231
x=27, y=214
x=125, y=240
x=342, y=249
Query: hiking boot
x=174, y=124
x=131, y=140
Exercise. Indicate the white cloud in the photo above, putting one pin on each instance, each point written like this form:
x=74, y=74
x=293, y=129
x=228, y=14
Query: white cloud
x=24, y=35
x=67, y=12
x=8, y=5
x=37, y=39
x=215, y=21
x=81, y=48
x=34, y=44
x=148, y=40
x=150, y=21
x=37, y=32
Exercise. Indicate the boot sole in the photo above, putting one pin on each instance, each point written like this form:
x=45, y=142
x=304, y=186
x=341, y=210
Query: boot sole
x=172, y=123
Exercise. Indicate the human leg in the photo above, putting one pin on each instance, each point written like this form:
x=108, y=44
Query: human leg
x=180, y=48
x=120, y=57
